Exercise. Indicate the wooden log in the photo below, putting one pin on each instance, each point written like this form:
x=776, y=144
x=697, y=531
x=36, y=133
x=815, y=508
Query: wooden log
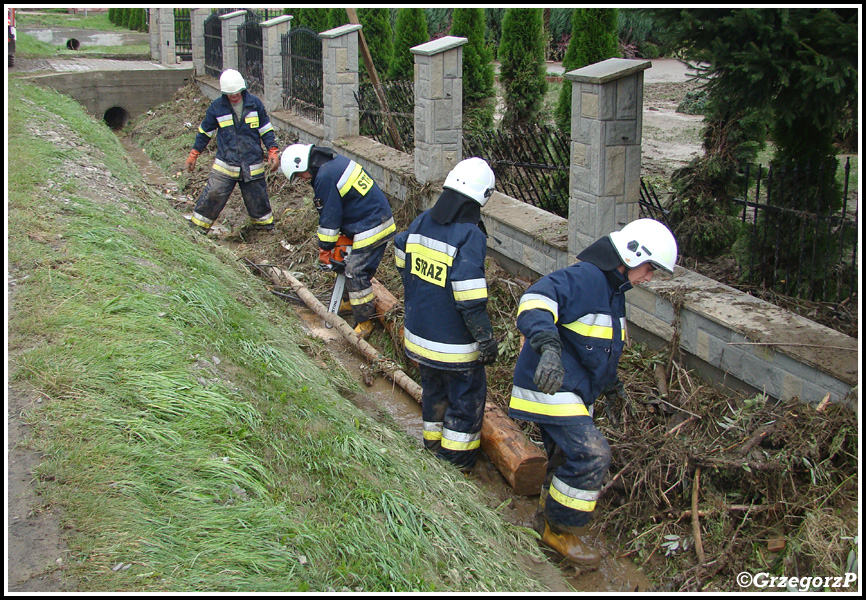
x=521, y=463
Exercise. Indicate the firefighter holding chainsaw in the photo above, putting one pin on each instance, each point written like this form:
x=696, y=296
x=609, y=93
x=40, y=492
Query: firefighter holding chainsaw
x=574, y=323
x=241, y=125
x=447, y=329
x=354, y=218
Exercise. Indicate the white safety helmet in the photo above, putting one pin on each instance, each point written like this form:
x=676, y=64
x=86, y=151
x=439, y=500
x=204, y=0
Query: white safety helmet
x=472, y=177
x=232, y=82
x=295, y=159
x=646, y=240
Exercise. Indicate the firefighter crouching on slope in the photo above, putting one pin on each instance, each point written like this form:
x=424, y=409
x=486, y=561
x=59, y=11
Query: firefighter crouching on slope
x=351, y=203
x=241, y=125
x=574, y=323
x=446, y=327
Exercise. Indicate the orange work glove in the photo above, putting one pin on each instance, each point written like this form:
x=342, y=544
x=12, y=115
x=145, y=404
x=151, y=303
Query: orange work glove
x=274, y=158
x=190, y=160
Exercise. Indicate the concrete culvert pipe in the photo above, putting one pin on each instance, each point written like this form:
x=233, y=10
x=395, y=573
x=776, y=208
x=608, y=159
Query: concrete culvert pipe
x=73, y=44
x=116, y=117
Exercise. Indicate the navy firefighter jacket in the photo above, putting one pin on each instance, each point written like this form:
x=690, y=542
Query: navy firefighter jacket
x=349, y=201
x=442, y=267
x=586, y=307
x=239, y=142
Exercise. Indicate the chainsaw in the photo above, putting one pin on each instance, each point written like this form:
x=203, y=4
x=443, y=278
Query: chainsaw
x=336, y=261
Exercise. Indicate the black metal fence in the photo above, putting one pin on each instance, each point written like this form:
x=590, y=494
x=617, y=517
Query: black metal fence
x=182, y=34
x=394, y=127
x=213, y=45
x=799, y=244
x=301, y=53
x=530, y=164
x=251, y=53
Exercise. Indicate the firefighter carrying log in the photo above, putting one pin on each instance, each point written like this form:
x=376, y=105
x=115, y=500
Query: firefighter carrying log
x=349, y=203
x=574, y=323
x=446, y=327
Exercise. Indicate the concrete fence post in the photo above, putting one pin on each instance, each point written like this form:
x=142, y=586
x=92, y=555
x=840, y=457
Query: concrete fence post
x=272, y=60
x=197, y=17
x=153, y=29
x=167, y=51
x=438, y=107
x=230, y=23
x=606, y=130
x=341, y=117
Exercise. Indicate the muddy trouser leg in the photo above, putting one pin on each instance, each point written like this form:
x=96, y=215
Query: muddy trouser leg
x=577, y=479
x=434, y=402
x=255, y=195
x=212, y=200
x=461, y=432
x=361, y=266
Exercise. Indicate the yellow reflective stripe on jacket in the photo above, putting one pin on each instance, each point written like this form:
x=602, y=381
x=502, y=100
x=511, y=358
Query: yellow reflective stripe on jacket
x=225, y=120
x=438, y=351
x=560, y=404
x=266, y=128
x=349, y=177
x=371, y=236
x=399, y=258
x=577, y=499
x=210, y=133
x=469, y=289
x=257, y=169
x=431, y=248
x=593, y=325
x=328, y=235
x=537, y=301
x=455, y=440
x=227, y=169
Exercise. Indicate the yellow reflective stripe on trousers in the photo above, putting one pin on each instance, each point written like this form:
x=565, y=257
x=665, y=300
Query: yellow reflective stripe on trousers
x=362, y=297
x=469, y=289
x=537, y=301
x=455, y=440
x=594, y=325
x=201, y=220
x=265, y=220
x=560, y=404
x=438, y=351
x=371, y=236
x=432, y=430
x=574, y=498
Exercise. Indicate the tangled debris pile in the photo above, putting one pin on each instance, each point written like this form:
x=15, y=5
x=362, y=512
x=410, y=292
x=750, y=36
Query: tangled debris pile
x=704, y=484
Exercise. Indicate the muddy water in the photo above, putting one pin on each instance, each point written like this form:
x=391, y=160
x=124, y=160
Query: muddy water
x=383, y=399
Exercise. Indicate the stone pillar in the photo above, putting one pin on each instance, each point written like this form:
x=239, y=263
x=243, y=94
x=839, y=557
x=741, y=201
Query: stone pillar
x=167, y=53
x=606, y=130
x=153, y=28
x=272, y=60
x=230, y=23
x=197, y=17
x=341, y=116
x=438, y=107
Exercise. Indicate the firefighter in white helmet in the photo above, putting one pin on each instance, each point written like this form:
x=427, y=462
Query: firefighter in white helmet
x=574, y=323
x=349, y=203
x=241, y=125
x=446, y=326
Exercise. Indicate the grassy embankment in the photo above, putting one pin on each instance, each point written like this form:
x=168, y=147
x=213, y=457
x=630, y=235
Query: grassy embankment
x=186, y=431
x=27, y=46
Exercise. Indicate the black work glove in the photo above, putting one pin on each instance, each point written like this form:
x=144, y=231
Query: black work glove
x=478, y=324
x=549, y=372
x=614, y=391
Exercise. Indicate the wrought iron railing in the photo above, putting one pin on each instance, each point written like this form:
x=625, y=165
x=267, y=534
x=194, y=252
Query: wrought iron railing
x=213, y=45
x=398, y=121
x=301, y=53
x=251, y=53
x=182, y=34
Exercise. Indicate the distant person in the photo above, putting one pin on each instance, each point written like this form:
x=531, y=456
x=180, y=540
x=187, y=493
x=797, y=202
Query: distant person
x=349, y=202
x=447, y=330
x=241, y=125
x=574, y=323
